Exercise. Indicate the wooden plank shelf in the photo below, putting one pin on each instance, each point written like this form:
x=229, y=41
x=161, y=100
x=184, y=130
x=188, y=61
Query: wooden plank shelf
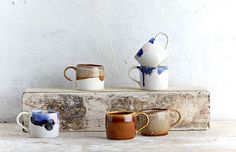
x=85, y=110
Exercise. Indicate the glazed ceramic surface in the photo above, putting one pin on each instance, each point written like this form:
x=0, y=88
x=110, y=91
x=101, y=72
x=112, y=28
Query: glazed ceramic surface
x=152, y=53
x=122, y=125
x=151, y=78
x=42, y=123
x=159, y=122
x=88, y=76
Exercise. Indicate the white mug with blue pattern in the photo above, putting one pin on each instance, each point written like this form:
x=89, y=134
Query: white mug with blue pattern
x=151, y=78
x=42, y=123
x=152, y=54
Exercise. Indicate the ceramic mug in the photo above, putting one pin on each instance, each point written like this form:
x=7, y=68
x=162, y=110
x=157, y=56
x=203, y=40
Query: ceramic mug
x=42, y=123
x=151, y=78
x=152, y=53
x=159, y=121
x=88, y=76
x=122, y=124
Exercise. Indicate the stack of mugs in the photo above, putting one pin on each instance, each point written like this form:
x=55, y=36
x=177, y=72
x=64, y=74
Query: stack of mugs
x=153, y=75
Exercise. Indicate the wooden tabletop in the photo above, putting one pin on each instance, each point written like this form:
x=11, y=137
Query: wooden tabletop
x=220, y=138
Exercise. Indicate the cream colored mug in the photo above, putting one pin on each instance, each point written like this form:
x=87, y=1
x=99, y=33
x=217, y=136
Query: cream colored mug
x=159, y=121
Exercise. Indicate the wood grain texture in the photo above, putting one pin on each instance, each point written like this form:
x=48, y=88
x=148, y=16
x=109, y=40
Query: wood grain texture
x=85, y=111
x=220, y=138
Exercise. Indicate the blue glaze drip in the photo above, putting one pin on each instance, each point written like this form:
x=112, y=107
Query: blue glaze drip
x=161, y=69
x=152, y=40
x=145, y=70
x=140, y=53
x=148, y=71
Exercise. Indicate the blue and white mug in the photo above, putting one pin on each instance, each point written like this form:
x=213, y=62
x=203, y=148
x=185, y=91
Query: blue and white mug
x=152, y=54
x=42, y=123
x=151, y=78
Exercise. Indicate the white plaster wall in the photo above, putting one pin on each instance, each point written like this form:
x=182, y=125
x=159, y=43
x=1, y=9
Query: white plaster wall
x=38, y=38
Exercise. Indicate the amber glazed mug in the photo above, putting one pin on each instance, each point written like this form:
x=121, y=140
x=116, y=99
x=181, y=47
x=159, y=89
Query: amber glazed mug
x=159, y=121
x=88, y=76
x=122, y=124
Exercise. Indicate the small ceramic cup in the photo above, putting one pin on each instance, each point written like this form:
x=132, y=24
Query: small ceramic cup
x=42, y=123
x=152, y=53
x=159, y=121
x=88, y=76
x=122, y=124
x=151, y=78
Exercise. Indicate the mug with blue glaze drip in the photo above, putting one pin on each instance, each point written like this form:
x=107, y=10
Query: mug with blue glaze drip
x=151, y=78
x=42, y=123
x=152, y=54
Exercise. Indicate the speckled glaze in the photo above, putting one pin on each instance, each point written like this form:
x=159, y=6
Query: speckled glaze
x=159, y=121
x=122, y=124
x=88, y=76
x=85, y=71
x=42, y=123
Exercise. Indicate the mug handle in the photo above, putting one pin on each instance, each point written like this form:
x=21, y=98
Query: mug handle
x=69, y=67
x=178, y=120
x=147, y=122
x=18, y=120
x=130, y=69
x=167, y=38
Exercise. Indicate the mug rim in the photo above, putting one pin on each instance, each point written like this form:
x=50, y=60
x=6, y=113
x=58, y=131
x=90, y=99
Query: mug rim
x=119, y=113
x=89, y=65
x=42, y=111
x=161, y=66
x=154, y=110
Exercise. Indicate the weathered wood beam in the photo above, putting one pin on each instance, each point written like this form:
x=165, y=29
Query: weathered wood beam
x=85, y=110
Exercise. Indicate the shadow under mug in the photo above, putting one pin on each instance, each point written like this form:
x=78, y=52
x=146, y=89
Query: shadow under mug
x=88, y=76
x=42, y=123
x=122, y=124
x=159, y=121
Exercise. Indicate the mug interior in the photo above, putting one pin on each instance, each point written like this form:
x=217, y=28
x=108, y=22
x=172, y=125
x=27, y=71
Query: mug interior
x=154, y=110
x=39, y=111
x=89, y=65
x=147, y=67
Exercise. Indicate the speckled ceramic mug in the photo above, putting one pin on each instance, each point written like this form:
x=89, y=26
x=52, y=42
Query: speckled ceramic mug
x=159, y=121
x=42, y=123
x=88, y=76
